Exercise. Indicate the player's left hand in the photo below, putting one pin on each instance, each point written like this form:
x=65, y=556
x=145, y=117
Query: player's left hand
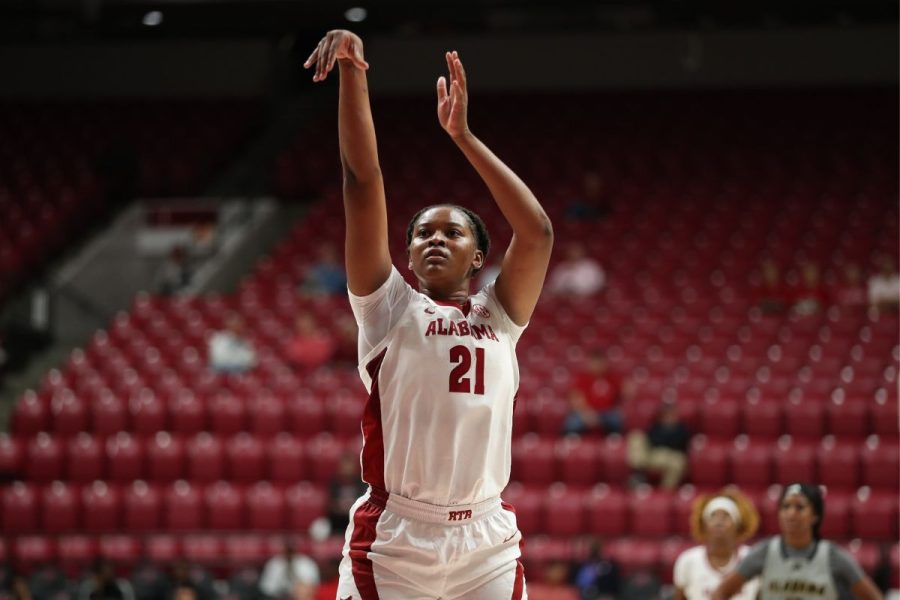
x=453, y=101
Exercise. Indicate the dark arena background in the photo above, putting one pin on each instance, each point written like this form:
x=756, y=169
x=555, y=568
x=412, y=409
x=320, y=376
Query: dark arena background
x=169, y=171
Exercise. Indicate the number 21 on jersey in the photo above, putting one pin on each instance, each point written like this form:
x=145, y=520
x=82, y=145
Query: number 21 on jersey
x=460, y=376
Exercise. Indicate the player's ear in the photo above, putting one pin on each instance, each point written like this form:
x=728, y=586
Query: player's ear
x=478, y=260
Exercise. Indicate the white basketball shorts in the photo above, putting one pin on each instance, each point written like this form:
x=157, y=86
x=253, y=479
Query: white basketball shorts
x=400, y=549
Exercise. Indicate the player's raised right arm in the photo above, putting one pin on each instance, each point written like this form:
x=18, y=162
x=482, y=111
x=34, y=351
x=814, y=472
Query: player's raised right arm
x=366, y=248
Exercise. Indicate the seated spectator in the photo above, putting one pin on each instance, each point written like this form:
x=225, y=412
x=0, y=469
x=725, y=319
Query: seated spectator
x=327, y=277
x=174, y=274
x=809, y=295
x=289, y=576
x=190, y=582
x=48, y=582
x=663, y=448
x=596, y=397
x=593, y=202
x=150, y=582
x=229, y=350
x=598, y=577
x=578, y=274
x=884, y=287
x=103, y=584
x=851, y=291
x=311, y=346
x=12, y=585
x=771, y=295
x=554, y=583
x=345, y=488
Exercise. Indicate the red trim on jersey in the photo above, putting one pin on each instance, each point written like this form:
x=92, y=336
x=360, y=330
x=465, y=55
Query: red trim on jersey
x=519, y=585
x=365, y=520
x=373, y=435
x=464, y=307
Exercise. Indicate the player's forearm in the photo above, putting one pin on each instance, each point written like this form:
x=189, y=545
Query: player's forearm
x=520, y=207
x=356, y=129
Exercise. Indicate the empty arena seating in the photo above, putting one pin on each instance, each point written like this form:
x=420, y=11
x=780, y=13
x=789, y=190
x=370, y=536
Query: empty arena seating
x=64, y=165
x=133, y=448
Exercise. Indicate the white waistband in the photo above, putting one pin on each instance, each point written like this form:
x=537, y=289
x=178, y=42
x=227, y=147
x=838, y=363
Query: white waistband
x=457, y=514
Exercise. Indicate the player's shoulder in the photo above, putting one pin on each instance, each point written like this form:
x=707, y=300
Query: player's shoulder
x=691, y=556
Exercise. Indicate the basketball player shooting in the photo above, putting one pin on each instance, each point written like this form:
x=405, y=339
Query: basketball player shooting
x=439, y=363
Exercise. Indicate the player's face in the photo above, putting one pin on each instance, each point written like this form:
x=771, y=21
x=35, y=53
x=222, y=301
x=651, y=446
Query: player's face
x=720, y=525
x=444, y=247
x=796, y=515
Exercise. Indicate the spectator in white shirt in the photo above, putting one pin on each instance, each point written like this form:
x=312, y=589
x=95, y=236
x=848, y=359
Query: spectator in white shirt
x=290, y=576
x=229, y=350
x=577, y=274
x=884, y=287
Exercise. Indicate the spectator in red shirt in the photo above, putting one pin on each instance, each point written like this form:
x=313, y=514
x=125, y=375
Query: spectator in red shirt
x=311, y=346
x=595, y=398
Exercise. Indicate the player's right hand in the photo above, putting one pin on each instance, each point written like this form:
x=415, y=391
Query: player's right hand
x=338, y=44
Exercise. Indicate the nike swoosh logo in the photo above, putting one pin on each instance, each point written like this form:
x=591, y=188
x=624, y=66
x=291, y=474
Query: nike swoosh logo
x=509, y=538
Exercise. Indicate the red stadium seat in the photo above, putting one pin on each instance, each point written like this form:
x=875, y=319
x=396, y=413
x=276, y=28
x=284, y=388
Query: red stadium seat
x=30, y=415
x=34, y=551
x=86, y=459
x=148, y=413
x=720, y=418
x=751, y=462
x=804, y=419
x=305, y=503
x=885, y=417
x=880, y=463
x=867, y=554
x=346, y=415
x=578, y=460
x=165, y=457
x=187, y=412
x=533, y=460
x=246, y=458
x=682, y=507
x=183, y=507
x=762, y=419
x=20, y=508
x=109, y=414
x=243, y=550
x=794, y=460
x=77, y=554
x=635, y=556
x=874, y=514
x=836, y=524
x=708, y=462
x=306, y=417
x=123, y=550
x=205, y=458
x=848, y=418
x=651, y=512
x=45, y=459
x=227, y=415
x=163, y=549
x=322, y=454
x=267, y=418
x=69, y=413
x=60, y=508
x=125, y=457
x=563, y=511
x=101, y=507
x=607, y=511
x=224, y=506
x=265, y=507
x=287, y=459
x=142, y=507
x=839, y=463
x=614, y=458
x=12, y=458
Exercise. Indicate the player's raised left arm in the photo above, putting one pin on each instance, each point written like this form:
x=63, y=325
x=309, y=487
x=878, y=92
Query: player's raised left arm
x=525, y=262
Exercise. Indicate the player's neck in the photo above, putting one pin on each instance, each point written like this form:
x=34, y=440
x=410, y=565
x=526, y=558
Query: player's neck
x=719, y=555
x=457, y=296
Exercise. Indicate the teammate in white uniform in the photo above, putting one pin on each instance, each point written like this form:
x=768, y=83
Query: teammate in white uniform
x=439, y=364
x=720, y=523
x=798, y=564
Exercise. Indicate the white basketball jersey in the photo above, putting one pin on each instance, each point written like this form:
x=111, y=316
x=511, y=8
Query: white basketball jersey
x=437, y=427
x=698, y=579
